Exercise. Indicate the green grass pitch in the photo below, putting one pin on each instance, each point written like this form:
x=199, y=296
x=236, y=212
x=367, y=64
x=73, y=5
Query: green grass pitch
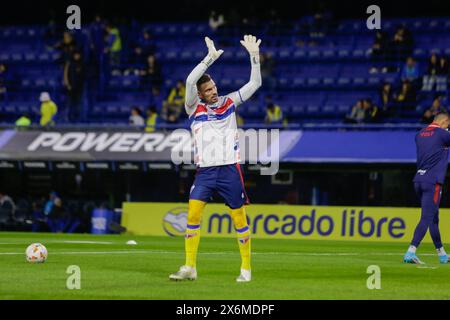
x=282, y=269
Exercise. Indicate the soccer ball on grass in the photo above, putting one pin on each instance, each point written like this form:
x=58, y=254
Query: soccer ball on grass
x=36, y=252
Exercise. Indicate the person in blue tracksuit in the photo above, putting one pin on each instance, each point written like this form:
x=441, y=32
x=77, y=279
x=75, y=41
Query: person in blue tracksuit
x=432, y=145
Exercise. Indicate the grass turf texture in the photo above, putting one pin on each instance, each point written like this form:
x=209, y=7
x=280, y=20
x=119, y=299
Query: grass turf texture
x=282, y=269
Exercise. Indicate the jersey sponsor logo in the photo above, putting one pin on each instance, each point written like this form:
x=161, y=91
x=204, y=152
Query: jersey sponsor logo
x=421, y=172
x=426, y=134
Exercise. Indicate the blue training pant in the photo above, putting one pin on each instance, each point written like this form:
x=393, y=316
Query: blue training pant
x=430, y=197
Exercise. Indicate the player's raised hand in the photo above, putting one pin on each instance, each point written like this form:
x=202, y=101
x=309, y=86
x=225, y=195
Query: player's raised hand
x=213, y=53
x=251, y=44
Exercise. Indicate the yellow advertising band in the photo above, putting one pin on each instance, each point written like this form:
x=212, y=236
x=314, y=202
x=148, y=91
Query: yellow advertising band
x=284, y=221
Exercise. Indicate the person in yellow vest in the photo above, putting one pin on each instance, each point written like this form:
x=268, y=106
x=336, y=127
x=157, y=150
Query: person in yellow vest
x=23, y=121
x=48, y=110
x=174, y=104
x=152, y=118
x=114, y=44
x=239, y=120
x=273, y=114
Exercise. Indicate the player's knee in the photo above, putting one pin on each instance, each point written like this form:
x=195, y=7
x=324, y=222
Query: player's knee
x=195, y=211
x=239, y=217
x=426, y=219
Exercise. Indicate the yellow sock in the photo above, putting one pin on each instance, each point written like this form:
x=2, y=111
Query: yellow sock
x=192, y=236
x=243, y=234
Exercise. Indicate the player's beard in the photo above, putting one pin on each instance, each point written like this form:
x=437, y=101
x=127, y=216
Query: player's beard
x=214, y=98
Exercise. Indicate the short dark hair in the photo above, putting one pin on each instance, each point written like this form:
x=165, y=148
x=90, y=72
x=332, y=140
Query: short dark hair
x=137, y=109
x=152, y=108
x=203, y=79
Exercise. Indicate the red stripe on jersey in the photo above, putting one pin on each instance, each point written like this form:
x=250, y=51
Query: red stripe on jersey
x=432, y=126
x=224, y=107
x=200, y=108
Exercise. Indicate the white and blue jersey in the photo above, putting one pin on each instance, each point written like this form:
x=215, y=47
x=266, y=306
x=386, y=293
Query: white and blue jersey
x=214, y=128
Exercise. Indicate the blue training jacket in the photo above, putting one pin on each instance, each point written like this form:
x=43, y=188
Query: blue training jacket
x=432, y=154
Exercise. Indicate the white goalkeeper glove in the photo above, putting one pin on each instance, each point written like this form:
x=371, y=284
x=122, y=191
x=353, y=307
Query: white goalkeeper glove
x=252, y=45
x=213, y=53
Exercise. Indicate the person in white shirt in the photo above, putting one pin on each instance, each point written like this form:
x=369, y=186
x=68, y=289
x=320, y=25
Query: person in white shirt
x=216, y=153
x=136, y=118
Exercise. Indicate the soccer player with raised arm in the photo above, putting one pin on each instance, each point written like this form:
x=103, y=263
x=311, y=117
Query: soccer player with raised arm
x=432, y=160
x=216, y=144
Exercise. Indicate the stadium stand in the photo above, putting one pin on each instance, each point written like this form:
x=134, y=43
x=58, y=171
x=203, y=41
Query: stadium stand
x=314, y=78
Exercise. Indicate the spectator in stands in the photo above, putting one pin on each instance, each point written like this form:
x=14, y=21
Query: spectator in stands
x=436, y=75
x=48, y=110
x=379, y=50
x=371, y=113
x=358, y=113
x=146, y=43
x=429, y=114
x=138, y=58
x=23, y=121
x=402, y=43
x=406, y=95
x=274, y=114
x=364, y=111
x=321, y=21
x=136, y=119
x=410, y=71
x=152, y=119
x=96, y=37
x=66, y=46
x=444, y=68
x=54, y=213
x=430, y=76
x=216, y=21
x=37, y=214
x=113, y=45
x=385, y=100
x=74, y=84
x=152, y=72
x=7, y=203
x=380, y=44
x=386, y=95
x=174, y=105
x=444, y=73
x=2, y=81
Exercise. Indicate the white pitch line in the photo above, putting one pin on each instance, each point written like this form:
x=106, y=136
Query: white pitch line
x=224, y=252
x=56, y=242
x=12, y=243
x=88, y=242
